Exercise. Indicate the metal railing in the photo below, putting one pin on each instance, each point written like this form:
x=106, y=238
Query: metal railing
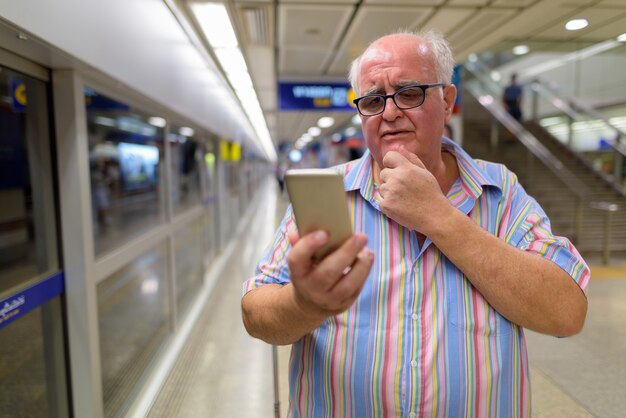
x=488, y=92
x=613, y=155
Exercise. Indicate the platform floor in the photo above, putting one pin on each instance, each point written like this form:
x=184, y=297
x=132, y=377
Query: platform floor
x=222, y=372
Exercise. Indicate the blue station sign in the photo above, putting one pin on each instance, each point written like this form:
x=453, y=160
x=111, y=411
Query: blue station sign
x=316, y=96
x=19, y=304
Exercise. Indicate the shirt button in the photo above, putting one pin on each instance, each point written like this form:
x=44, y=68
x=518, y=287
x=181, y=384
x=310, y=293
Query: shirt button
x=413, y=363
x=414, y=316
x=412, y=415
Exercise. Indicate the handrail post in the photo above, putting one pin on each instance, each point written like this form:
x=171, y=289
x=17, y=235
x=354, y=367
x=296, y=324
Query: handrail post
x=578, y=221
x=570, y=131
x=618, y=167
x=535, y=106
x=606, y=251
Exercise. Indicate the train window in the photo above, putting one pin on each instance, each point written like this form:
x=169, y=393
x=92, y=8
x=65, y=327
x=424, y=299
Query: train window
x=133, y=312
x=186, y=157
x=126, y=160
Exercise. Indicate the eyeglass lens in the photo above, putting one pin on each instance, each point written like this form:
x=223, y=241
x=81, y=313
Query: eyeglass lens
x=405, y=98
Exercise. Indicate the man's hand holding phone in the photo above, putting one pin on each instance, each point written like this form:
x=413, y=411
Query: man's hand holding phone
x=331, y=285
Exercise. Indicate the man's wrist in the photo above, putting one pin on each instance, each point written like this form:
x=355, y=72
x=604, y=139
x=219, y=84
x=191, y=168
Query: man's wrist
x=305, y=308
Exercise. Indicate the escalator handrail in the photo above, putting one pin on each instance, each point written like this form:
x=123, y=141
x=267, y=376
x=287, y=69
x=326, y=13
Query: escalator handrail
x=576, y=104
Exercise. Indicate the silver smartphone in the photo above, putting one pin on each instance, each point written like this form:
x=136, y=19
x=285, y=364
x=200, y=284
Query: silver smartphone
x=319, y=202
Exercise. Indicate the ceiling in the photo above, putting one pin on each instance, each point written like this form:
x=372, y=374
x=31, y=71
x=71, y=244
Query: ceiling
x=315, y=40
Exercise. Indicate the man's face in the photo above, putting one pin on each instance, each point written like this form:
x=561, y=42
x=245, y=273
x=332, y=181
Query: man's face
x=389, y=64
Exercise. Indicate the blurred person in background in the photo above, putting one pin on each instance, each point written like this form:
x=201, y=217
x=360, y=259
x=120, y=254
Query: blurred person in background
x=512, y=98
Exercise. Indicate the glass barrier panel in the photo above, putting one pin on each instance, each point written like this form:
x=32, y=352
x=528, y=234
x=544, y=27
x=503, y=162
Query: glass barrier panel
x=32, y=384
x=27, y=221
x=189, y=263
x=133, y=312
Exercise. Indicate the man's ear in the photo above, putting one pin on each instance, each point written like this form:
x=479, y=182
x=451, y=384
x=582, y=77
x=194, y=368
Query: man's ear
x=449, y=97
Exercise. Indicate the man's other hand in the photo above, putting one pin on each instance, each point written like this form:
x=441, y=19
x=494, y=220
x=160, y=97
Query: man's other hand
x=410, y=193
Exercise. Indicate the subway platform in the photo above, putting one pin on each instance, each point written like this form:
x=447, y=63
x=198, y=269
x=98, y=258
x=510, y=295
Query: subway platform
x=220, y=371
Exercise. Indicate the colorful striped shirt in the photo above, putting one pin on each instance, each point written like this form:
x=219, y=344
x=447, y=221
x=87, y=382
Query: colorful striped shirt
x=420, y=340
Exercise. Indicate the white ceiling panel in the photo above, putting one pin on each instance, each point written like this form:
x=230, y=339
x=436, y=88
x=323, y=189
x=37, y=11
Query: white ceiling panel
x=479, y=26
x=616, y=3
x=467, y=2
x=407, y=2
x=522, y=24
x=448, y=18
x=312, y=25
x=267, y=98
x=298, y=61
x=596, y=17
x=513, y=3
x=262, y=58
x=372, y=22
x=606, y=30
x=318, y=1
x=341, y=63
x=294, y=124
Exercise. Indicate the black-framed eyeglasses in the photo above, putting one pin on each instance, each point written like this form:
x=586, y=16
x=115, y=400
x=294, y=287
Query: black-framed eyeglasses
x=405, y=98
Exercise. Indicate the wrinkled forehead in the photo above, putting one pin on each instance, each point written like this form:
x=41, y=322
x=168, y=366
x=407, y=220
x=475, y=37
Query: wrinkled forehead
x=410, y=53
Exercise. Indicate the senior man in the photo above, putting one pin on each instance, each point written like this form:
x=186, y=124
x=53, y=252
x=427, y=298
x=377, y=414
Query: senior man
x=450, y=259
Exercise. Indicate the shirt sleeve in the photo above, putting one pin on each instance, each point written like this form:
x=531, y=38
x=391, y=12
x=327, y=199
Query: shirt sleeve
x=272, y=267
x=530, y=231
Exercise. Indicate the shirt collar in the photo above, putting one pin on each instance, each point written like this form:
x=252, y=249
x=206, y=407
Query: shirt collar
x=358, y=173
x=473, y=176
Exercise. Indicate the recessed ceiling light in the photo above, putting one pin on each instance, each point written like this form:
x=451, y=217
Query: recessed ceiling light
x=521, y=49
x=157, y=121
x=576, y=24
x=622, y=37
x=186, y=131
x=314, y=131
x=325, y=122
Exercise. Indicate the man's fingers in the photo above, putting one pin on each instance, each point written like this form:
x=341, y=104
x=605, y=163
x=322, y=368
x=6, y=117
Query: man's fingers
x=414, y=159
x=351, y=284
x=332, y=268
x=393, y=159
x=300, y=258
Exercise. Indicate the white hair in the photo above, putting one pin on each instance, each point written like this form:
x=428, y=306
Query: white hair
x=438, y=45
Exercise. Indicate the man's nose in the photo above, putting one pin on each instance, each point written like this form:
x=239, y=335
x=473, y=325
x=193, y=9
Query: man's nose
x=392, y=111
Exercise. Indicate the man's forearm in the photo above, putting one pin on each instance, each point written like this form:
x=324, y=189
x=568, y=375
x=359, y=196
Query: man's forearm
x=273, y=314
x=526, y=289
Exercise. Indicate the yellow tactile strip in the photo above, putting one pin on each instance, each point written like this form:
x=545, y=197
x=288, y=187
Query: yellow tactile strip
x=608, y=272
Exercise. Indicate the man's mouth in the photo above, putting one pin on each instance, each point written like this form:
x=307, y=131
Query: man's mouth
x=392, y=134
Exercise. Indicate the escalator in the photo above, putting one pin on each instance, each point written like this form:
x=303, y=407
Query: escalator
x=583, y=203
